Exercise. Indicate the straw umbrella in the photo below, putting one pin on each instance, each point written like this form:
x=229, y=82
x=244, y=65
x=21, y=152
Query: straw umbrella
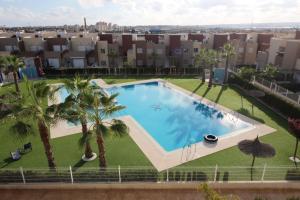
x=256, y=149
x=257, y=94
x=294, y=129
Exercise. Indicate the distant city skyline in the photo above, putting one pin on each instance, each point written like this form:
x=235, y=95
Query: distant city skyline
x=147, y=12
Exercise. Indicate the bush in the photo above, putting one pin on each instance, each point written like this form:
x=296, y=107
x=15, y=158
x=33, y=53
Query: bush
x=277, y=103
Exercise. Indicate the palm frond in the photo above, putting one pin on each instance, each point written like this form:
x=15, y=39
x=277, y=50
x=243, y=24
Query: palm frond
x=108, y=111
x=118, y=128
x=102, y=129
x=21, y=129
x=84, y=139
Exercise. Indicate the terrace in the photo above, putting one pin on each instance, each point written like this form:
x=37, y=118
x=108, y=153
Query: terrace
x=67, y=153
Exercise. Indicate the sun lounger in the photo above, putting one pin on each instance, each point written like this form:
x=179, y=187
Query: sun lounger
x=15, y=155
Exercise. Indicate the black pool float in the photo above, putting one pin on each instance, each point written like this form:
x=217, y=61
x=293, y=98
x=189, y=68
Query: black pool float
x=211, y=138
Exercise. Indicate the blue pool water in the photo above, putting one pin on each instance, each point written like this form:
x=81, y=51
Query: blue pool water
x=173, y=119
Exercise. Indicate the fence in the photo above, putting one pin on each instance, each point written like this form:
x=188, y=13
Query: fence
x=136, y=71
x=149, y=174
x=278, y=90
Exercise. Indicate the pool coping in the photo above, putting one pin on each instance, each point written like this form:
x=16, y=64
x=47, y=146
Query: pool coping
x=160, y=158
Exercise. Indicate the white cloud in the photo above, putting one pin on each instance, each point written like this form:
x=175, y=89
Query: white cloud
x=156, y=12
x=92, y=3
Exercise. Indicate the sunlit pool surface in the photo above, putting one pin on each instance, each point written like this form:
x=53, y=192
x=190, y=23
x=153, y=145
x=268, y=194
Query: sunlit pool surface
x=173, y=119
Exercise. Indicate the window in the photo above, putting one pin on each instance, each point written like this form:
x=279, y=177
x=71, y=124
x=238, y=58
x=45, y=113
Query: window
x=139, y=62
x=139, y=50
x=159, y=51
x=177, y=51
x=78, y=63
x=53, y=62
x=102, y=51
x=56, y=48
x=185, y=50
x=81, y=48
x=64, y=47
x=36, y=48
x=11, y=48
x=103, y=63
x=29, y=62
x=196, y=50
x=150, y=51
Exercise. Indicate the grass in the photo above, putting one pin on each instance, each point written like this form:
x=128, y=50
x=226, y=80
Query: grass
x=123, y=151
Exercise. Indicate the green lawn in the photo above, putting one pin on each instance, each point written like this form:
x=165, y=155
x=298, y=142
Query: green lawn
x=124, y=152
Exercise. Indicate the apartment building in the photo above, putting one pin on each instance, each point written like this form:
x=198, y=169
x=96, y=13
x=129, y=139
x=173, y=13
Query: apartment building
x=219, y=40
x=250, y=52
x=297, y=36
x=81, y=53
x=9, y=45
x=80, y=50
x=263, y=41
x=55, y=51
x=32, y=51
x=285, y=53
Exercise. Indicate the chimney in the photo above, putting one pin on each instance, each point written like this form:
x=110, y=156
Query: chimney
x=84, y=23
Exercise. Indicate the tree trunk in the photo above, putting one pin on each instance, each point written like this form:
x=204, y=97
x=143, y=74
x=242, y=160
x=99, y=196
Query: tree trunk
x=100, y=142
x=203, y=75
x=253, y=160
x=44, y=134
x=210, y=77
x=295, y=153
x=16, y=81
x=226, y=71
x=88, y=153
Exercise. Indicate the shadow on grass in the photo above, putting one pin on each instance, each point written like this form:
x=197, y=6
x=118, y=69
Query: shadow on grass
x=198, y=87
x=224, y=87
x=275, y=117
x=6, y=162
x=79, y=164
x=206, y=91
x=246, y=112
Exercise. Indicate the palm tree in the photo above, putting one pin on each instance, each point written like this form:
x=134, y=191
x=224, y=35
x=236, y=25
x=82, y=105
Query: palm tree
x=101, y=108
x=12, y=64
x=26, y=112
x=270, y=72
x=201, y=61
x=228, y=53
x=294, y=128
x=154, y=56
x=212, y=60
x=77, y=105
x=112, y=54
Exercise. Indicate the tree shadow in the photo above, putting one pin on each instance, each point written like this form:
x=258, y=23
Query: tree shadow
x=198, y=87
x=246, y=112
x=224, y=87
x=79, y=164
x=206, y=91
x=6, y=162
x=270, y=113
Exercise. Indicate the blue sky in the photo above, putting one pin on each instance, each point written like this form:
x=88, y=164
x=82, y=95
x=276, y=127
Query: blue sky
x=147, y=12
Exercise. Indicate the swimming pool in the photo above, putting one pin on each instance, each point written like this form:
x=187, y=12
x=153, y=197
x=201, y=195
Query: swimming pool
x=173, y=119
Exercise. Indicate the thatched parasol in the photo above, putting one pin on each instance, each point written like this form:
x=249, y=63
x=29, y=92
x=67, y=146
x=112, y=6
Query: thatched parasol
x=256, y=149
x=294, y=129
